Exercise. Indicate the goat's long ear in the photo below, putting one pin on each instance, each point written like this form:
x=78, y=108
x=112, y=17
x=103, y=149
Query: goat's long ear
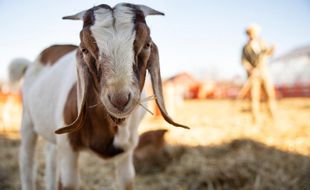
x=83, y=83
x=154, y=70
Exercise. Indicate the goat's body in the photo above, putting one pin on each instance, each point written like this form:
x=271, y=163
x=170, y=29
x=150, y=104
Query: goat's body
x=45, y=93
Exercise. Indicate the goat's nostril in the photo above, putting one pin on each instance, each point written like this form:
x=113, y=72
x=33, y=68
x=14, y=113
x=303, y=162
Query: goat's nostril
x=119, y=100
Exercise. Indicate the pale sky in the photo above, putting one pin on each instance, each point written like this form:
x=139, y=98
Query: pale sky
x=197, y=36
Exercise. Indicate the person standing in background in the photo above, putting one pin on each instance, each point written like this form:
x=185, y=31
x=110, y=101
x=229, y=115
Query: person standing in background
x=254, y=54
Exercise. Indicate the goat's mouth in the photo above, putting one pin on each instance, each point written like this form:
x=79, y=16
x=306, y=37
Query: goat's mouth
x=119, y=105
x=117, y=120
x=120, y=114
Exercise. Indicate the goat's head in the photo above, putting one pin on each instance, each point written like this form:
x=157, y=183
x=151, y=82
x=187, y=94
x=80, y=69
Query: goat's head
x=115, y=52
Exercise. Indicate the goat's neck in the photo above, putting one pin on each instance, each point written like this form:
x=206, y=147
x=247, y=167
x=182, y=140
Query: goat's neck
x=98, y=131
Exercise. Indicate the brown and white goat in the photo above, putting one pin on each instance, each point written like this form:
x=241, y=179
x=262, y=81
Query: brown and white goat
x=89, y=95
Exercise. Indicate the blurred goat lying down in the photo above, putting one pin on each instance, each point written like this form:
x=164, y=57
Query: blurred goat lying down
x=87, y=97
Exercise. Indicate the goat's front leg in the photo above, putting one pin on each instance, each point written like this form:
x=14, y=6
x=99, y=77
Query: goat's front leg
x=67, y=166
x=50, y=167
x=125, y=172
x=27, y=152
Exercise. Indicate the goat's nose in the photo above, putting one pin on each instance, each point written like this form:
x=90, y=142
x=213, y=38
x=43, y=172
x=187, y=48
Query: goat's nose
x=119, y=100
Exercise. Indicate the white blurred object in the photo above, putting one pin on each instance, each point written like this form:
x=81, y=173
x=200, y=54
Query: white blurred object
x=17, y=68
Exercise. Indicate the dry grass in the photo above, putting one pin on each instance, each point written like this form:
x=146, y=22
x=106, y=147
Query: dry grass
x=223, y=150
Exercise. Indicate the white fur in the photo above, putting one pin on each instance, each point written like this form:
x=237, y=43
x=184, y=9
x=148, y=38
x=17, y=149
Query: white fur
x=67, y=163
x=50, y=167
x=46, y=94
x=27, y=152
x=124, y=171
x=127, y=134
x=114, y=35
x=127, y=138
x=45, y=90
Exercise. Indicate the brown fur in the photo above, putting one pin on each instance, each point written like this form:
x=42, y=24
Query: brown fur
x=87, y=40
x=152, y=138
x=150, y=143
x=52, y=54
x=99, y=130
x=142, y=37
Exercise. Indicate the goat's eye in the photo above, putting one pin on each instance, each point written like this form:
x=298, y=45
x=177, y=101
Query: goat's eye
x=148, y=45
x=84, y=50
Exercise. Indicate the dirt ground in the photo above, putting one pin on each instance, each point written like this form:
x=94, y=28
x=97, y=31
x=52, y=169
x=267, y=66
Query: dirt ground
x=222, y=150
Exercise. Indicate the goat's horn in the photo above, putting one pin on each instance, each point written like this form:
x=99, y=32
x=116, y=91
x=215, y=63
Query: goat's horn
x=149, y=11
x=145, y=9
x=77, y=16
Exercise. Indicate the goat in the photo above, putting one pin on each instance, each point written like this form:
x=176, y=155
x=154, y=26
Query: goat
x=89, y=95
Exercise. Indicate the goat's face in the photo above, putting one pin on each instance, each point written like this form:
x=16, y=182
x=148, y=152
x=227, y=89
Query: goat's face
x=115, y=51
x=116, y=45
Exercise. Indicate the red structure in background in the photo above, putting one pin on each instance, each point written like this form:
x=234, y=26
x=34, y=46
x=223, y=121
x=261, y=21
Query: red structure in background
x=191, y=88
x=195, y=89
x=297, y=90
